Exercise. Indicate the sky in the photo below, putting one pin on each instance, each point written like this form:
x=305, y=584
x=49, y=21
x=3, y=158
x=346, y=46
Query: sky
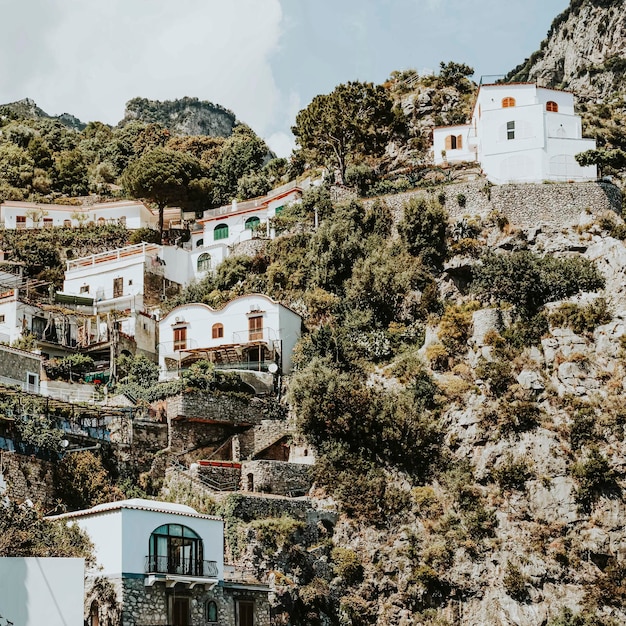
x=263, y=59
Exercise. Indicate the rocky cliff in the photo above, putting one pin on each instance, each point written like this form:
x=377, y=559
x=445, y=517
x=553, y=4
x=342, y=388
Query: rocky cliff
x=28, y=109
x=186, y=116
x=584, y=51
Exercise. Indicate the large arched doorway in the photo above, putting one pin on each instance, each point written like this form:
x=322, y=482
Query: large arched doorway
x=176, y=549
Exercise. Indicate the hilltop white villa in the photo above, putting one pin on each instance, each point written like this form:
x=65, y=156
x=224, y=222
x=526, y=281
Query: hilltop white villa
x=165, y=563
x=23, y=215
x=519, y=133
x=249, y=332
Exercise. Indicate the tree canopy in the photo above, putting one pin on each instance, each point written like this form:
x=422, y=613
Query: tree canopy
x=355, y=119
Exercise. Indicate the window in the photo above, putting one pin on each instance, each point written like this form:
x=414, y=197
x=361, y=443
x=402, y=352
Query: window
x=279, y=209
x=67, y=223
x=101, y=221
x=255, y=327
x=130, y=282
x=204, y=262
x=199, y=243
x=217, y=331
x=118, y=287
x=180, y=338
x=210, y=611
x=508, y=102
x=47, y=222
x=552, y=106
x=175, y=549
x=84, y=289
x=2, y=318
x=220, y=232
x=94, y=616
x=252, y=223
x=20, y=221
x=245, y=613
x=510, y=130
x=450, y=142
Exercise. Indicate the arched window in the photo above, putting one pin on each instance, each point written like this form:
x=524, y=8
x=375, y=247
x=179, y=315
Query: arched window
x=252, y=223
x=210, y=611
x=217, y=331
x=175, y=549
x=101, y=221
x=204, y=262
x=220, y=232
x=552, y=106
x=94, y=614
x=199, y=243
x=508, y=102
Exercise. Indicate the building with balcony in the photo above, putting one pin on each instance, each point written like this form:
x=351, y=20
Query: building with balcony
x=165, y=564
x=251, y=332
x=23, y=215
x=519, y=132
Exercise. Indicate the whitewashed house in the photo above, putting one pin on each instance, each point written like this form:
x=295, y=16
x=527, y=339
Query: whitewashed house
x=519, y=132
x=130, y=213
x=249, y=332
x=165, y=562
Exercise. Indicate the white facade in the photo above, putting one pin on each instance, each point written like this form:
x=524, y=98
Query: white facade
x=245, y=329
x=30, y=215
x=36, y=591
x=121, y=531
x=519, y=133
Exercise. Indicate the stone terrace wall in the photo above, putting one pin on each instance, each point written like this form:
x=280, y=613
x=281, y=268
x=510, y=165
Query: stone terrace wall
x=248, y=508
x=29, y=478
x=277, y=477
x=260, y=437
x=215, y=408
x=525, y=205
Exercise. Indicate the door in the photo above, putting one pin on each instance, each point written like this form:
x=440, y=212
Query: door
x=255, y=327
x=180, y=611
x=245, y=615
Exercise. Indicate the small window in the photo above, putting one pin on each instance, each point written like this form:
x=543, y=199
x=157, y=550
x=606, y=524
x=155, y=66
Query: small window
x=252, y=223
x=211, y=612
x=508, y=102
x=118, y=287
x=67, y=223
x=255, y=326
x=84, y=289
x=130, y=282
x=217, y=332
x=2, y=319
x=220, y=232
x=20, y=221
x=180, y=338
x=279, y=209
x=101, y=221
x=47, y=222
x=552, y=106
x=199, y=243
x=450, y=142
x=204, y=262
x=510, y=130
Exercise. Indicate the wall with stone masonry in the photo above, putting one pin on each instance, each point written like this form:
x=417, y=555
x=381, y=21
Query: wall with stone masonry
x=250, y=247
x=16, y=363
x=525, y=205
x=261, y=436
x=250, y=507
x=28, y=478
x=215, y=407
x=277, y=477
x=184, y=435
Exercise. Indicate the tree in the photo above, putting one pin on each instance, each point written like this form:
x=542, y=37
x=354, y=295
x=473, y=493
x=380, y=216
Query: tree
x=614, y=159
x=455, y=74
x=423, y=230
x=164, y=177
x=356, y=118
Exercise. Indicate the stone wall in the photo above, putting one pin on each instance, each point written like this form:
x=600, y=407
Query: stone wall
x=215, y=407
x=250, y=247
x=28, y=478
x=141, y=605
x=16, y=363
x=277, y=477
x=260, y=437
x=184, y=435
x=525, y=205
x=250, y=507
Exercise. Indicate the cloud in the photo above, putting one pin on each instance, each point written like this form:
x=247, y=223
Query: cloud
x=88, y=57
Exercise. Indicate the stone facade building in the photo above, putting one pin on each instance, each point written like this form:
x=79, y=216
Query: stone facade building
x=162, y=564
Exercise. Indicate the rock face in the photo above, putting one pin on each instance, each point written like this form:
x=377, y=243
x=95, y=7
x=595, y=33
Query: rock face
x=585, y=50
x=187, y=116
x=27, y=108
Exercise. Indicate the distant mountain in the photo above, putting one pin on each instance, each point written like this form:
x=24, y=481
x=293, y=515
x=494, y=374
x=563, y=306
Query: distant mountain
x=186, y=116
x=584, y=51
x=28, y=109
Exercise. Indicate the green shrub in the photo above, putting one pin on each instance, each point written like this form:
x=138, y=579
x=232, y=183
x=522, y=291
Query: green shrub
x=498, y=374
x=595, y=478
x=584, y=429
x=581, y=319
x=515, y=582
x=512, y=473
x=346, y=563
x=423, y=230
x=72, y=367
x=277, y=533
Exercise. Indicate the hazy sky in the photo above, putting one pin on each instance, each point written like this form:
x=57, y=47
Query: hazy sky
x=264, y=59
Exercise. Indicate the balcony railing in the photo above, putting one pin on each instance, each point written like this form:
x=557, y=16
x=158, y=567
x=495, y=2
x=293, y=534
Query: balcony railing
x=181, y=567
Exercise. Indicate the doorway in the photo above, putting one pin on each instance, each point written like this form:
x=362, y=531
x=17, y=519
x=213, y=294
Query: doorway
x=180, y=611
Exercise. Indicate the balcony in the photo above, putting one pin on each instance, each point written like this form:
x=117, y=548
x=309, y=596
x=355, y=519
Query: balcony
x=174, y=570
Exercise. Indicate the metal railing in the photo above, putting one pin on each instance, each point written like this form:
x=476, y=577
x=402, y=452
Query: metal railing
x=180, y=567
x=212, y=484
x=112, y=255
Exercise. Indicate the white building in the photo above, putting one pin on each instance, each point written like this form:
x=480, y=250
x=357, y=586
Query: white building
x=249, y=332
x=37, y=590
x=519, y=132
x=130, y=213
x=166, y=564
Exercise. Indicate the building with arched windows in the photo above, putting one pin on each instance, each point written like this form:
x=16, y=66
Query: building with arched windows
x=519, y=133
x=165, y=565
